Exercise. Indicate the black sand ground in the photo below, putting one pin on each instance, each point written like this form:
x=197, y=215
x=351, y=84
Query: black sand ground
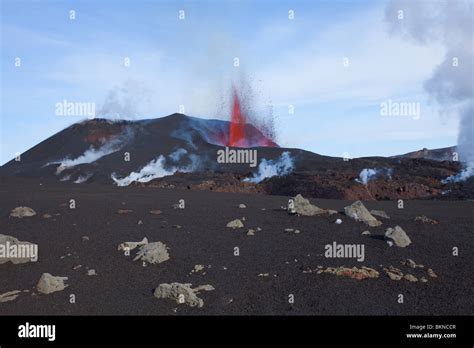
x=125, y=287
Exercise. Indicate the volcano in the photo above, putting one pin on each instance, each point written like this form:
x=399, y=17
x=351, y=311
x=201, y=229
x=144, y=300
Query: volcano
x=179, y=151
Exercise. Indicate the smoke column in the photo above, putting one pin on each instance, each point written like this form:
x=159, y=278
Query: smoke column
x=451, y=85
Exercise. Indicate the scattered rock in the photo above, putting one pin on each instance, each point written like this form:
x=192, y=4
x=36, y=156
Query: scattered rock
x=9, y=296
x=302, y=206
x=182, y=293
x=132, y=245
x=140, y=222
x=398, y=236
x=354, y=272
x=264, y=274
x=359, y=212
x=297, y=231
x=176, y=226
x=77, y=267
x=380, y=213
x=251, y=232
x=155, y=212
x=242, y=206
x=431, y=273
x=153, y=253
x=258, y=229
x=85, y=238
x=366, y=233
x=48, y=283
x=426, y=220
x=197, y=268
x=410, y=278
x=412, y=264
x=423, y=280
x=235, y=224
x=338, y=222
x=47, y=216
x=9, y=243
x=21, y=212
x=289, y=230
x=393, y=273
x=91, y=272
x=124, y=211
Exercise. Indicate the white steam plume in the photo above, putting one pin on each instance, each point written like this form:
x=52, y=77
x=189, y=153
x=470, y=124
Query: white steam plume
x=368, y=174
x=155, y=169
x=268, y=168
x=451, y=85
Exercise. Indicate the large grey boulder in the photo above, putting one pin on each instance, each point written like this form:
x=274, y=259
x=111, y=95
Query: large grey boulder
x=302, y=206
x=359, y=212
x=398, y=236
x=49, y=283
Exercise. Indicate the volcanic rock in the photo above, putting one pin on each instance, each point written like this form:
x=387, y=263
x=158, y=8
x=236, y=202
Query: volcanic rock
x=47, y=216
x=91, y=272
x=359, y=212
x=426, y=220
x=124, y=211
x=302, y=206
x=354, y=272
x=380, y=213
x=12, y=241
x=398, y=236
x=411, y=263
x=235, y=224
x=242, y=206
x=182, y=293
x=393, y=273
x=155, y=212
x=251, y=232
x=431, y=273
x=132, y=245
x=9, y=296
x=366, y=233
x=153, y=253
x=48, y=283
x=20, y=212
x=410, y=278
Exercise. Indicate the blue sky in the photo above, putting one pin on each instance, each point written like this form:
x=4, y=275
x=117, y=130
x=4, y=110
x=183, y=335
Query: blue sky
x=189, y=62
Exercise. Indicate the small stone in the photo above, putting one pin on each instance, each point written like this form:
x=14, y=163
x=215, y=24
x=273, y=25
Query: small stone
x=47, y=216
x=153, y=253
x=426, y=220
x=423, y=280
x=251, y=232
x=235, y=224
x=155, y=212
x=21, y=212
x=242, y=206
x=289, y=230
x=366, y=233
x=393, y=273
x=77, y=267
x=431, y=273
x=91, y=272
x=338, y=221
x=48, y=283
x=9, y=296
x=140, y=222
x=264, y=274
x=410, y=278
x=258, y=229
x=85, y=238
x=124, y=211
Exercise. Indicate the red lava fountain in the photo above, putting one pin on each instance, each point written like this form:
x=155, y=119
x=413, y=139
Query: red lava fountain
x=237, y=123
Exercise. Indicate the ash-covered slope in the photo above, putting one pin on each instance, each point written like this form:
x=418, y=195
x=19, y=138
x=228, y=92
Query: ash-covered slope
x=97, y=148
x=179, y=151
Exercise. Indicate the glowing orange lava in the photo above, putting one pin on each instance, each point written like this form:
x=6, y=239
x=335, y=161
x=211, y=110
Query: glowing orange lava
x=237, y=123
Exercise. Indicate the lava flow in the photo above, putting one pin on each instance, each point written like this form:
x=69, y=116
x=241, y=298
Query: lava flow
x=237, y=123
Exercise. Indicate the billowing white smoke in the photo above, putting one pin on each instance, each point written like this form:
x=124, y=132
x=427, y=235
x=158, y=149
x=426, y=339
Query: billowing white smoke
x=92, y=154
x=83, y=178
x=177, y=155
x=368, y=174
x=157, y=168
x=463, y=175
x=268, y=168
x=451, y=85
